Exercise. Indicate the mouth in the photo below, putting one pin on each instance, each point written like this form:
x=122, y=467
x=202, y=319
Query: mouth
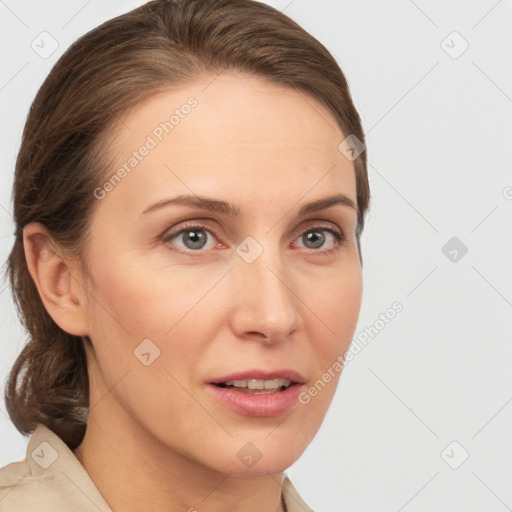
x=256, y=386
x=258, y=393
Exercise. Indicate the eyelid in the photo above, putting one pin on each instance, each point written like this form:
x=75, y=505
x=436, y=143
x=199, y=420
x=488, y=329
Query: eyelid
x=317, y=223
x=205, y=224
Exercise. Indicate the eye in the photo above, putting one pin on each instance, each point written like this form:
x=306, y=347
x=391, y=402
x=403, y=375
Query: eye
x=317, y=237
x=199, y=236
x=194, y=237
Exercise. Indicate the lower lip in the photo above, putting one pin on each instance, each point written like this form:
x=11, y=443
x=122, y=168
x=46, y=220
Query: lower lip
x=261, y=405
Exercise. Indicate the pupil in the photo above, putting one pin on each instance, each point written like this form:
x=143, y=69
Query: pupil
x=197, y=239
x=318, y=235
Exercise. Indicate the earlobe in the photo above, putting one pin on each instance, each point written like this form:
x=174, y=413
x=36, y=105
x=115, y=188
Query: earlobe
x=53, y=277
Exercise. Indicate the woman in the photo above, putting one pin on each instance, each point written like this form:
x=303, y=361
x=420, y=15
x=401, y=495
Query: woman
x=189, y=198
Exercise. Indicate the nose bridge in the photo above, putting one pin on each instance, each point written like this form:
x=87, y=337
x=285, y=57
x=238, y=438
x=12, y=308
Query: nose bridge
x=264, y=299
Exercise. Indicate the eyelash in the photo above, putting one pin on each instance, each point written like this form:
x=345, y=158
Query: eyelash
x=201, y=225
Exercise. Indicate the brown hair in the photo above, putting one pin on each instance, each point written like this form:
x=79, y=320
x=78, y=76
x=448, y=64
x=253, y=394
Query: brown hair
x=62, y=158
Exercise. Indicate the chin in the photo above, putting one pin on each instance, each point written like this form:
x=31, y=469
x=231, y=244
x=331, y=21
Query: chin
x=255, y=456
x=262, y=468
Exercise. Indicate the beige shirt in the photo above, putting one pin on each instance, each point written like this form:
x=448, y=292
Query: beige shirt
x=52, y=479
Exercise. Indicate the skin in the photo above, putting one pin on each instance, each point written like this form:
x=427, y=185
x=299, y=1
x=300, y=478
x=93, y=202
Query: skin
x=268, y=150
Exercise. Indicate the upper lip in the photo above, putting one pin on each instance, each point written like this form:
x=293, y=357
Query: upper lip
x=292, y=375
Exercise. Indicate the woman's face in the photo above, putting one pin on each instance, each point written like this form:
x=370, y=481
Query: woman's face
x=184, y=294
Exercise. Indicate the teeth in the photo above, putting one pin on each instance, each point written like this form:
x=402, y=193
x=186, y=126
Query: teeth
x=259, y=384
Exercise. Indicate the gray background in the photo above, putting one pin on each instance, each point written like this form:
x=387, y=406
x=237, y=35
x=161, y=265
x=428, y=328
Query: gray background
x=438, y=124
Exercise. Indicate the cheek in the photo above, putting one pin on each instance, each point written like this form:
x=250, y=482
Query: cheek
x=333, y=313
x=330, y=321
x=135, y=301
x=142, y=299
x=140, y=329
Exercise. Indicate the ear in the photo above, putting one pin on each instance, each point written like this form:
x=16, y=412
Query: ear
x=56, y=279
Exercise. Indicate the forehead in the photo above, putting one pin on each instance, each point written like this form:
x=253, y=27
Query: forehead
x=235, y=136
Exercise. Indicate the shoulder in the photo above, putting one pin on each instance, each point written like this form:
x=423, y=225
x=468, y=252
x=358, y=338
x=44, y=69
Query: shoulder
x=292, y=499
x=50, y=479
x=22, y=491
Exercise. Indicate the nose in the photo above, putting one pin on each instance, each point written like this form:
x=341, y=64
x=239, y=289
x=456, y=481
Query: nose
x=264, y=306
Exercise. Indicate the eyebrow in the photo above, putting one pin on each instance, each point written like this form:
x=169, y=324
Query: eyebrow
x=225, y=208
